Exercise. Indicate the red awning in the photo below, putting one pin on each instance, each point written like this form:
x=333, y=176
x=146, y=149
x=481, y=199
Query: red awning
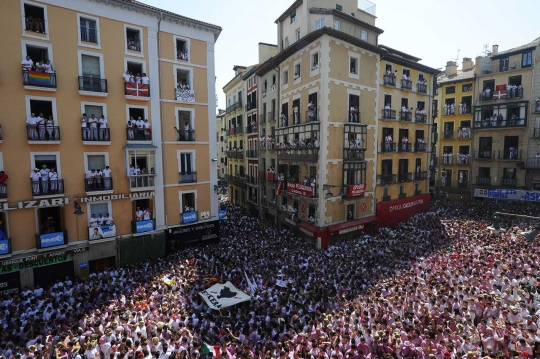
x=310, y=227
x=352, y=224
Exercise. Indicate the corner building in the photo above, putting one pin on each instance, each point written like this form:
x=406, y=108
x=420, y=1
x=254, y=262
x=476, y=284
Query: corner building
x=90, y=45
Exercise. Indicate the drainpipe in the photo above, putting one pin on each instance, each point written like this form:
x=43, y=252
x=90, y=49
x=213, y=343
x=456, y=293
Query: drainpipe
x=162, y=119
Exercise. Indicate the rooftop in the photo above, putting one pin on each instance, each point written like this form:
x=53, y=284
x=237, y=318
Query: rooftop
x=518, y=49
x=459, y=76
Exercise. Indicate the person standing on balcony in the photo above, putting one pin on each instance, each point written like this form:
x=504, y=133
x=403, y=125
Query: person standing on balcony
x=144, y=79
x=126, y=76
x=50, y=128
x=511, y=152
x=186, y=131
x=445, y=109
x=40, y=120
x=387, y=110
x=404, y=143
x=92, y=122
x=147, y=130
x=283, y=119
x=103, y=129
x=452, y=108
x=107, y=178
x=311, y=111
x=84, y=127
x=53, y=178
x=44, y=172
x=140, y=128
x=31, y=122
x=388, y=143
x=90, y=179
x=35, y=176
x=131, y=128
x=139, y=214
x=295, y=114
x=27, y=64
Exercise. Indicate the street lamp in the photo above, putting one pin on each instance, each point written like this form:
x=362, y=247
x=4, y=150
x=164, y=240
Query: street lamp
x=530, y=235
x=77, y=213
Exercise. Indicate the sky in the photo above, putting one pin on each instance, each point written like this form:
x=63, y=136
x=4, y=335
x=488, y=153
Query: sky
x=433, y=30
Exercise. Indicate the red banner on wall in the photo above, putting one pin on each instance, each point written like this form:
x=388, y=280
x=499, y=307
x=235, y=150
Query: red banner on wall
x=301, y=189
x=391, y=213
x=356, y=190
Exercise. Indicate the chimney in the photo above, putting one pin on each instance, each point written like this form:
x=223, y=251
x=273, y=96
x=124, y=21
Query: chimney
x=467, y=64
x=495, y=50
x=451, y=68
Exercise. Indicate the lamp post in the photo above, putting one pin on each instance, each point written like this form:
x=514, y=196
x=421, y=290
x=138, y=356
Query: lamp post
x=77, y=213
x=530, y=235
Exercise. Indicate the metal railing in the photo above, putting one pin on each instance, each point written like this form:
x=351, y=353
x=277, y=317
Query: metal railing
x=402, y=195
x=296, y=119
x=354, y=154
x=39, y=79
x=252, y=154
x=406, y=84
x=141, y=181
x=420, y=176
x=420, y=147
x=47, y=187
x=448, y=135
x=405, y=177
x=387, y=147
x=89, y=134
x=417, y=192
x=312, y=116
x=511, y=155
x=138, y=134
x=405, y=116
x=389, y=80
x=98, y=184
x=42, y=133
x=404, y=147
x=185, y=135
x=386, y=198
x=251, y=129
x=505, y=123
x=3, y=190
x=92, y=83
x=420, y=118
x=485, y=181
x=532, y=163
x=137, y=90
x=387, y=179
x=509, y=182
x=421, y=88
x=453, y=183
x=388, y=114
x=239, y=155
x=447, y=159
x=487, y=155
x=354, y=117
x=305, y=154
x=484, y=96
x=187, y=177
x=237, y=180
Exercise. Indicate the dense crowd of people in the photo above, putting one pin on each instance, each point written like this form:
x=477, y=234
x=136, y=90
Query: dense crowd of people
x=439, y=285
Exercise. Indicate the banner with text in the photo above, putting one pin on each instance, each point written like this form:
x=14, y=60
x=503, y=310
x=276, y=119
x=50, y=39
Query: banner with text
x=51, y=239
x=144, y=226
x=223, y=295
x=391, y=213
x=301, y=189
x=189, y=217
x=356, y=190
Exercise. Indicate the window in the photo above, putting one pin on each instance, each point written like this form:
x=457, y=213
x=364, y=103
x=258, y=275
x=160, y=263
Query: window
x=188, y=202
x=91, y=69
x=337, y=25
x=503, y=64
x=287, y=42
x=187, y=167
x=143, y=159
x=293, y=17
x=353, y=66
x=136, y=68
x=273, y=80
x=354, y=173
x=484, y=147
x=42, y=108
x=450, y=90
x=185, y=124
x=182, y=49
x=35, y=18
x=363, y=35
x=388, y=67
x=420, y=77
x=314, y=61
x=339, y=7
x=37, y=53
x=526, y=59
x=514, y=80
x=50, y=220
x=350, y=211
x=88, y=28
x=319, y=24
x=407, y=73
x=297, y=34
x=133, y=39
x=184, y=78
x=285, y=77
x=296, y=71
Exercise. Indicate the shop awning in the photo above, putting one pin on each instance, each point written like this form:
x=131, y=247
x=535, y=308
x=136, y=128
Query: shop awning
x=308, y=228
x=351, y=226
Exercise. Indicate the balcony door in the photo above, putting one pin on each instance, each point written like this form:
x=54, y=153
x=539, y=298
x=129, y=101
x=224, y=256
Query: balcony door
x=403, y=166
x=95, y=162
x=386, y=167
x=186, y=164
x=91, y=73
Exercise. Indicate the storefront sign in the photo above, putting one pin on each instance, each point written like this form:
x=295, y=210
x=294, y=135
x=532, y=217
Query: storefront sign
x=51, y=239
x=144, y=226
x=351, y=229
x=189, y=217
x=356, y=190
x=10, y=283
x=95, y=233
x=53, y=202
x=306, y=232
x=508, y=194
x=391, y=213
x=222, y=214
x=301, y=189
x=196, y=234
x=290, y=221
x=39, y=261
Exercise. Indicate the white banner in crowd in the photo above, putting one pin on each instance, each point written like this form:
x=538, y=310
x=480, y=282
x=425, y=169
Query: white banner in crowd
x=281, y=283
x=223, y=295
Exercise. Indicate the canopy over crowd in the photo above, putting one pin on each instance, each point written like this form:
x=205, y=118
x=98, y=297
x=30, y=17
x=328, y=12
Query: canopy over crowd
x=440, y=285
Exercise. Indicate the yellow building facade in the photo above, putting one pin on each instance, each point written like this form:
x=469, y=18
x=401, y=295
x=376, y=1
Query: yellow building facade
x=113, y=61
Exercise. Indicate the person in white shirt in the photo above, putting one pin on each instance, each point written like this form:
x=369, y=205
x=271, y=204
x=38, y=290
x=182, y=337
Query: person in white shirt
x=31, y=122
x=139, y=214
x=53, y=178
x=147, y=130
x=84, y=126
x=107, y=183
x=186, y=131
x=90, y=178
x=108, y=219
x=131, y=128
x=140, y=128
x=50, y=128
x=100, y=220
x=40, y=120
x=103, y=135
x=132, y=171
x=126, y=76
x=146, y=214
x=44, y=172
x=27, y=64
x=144, y=79
x=47, y=66
x=35, y=176
x=92, y=122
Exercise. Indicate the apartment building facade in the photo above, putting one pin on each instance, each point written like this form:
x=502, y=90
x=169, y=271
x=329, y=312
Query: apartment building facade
x=77, y=57
x=455, y=156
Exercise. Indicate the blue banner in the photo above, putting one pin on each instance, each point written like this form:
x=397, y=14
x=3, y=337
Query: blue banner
x=145, y=226
x=222, y=214
x=189, y=217
x=51, y=239
x=4, y=246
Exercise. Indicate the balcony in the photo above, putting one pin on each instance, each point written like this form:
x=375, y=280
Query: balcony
x=185, y=135
x=389, y=80
x=448, y=135
x=404, y=147
x=420, y=176
x=509, y=182
x=98, y=184
x=405, y=116
x=43, y=134
x=252, y=129
x=453, y=184
x=386, y=198
x=405, y=177
x=406, y=84
x=490, y=123
x=402, y=195
x=271, y=116
x=388, y=114
x=237, y=180
x=533, y=163
x=386, y=179
x=252, y=154
x=187, y=177
x=387, y=147
x=463, y=159
x=253, y=180
x=143, y=226
x=354, y=154
x=296, y=119
x=487, y=155
x=189, y=217
x=485, y=96
x=184, y=95
x=135, y=91
x=420, y=147
x=135, y=134
x=510, y=155
x=3, y=191
x=250, y=106
x=422, y=88
x=48, y=240
x=92, y=86
x=447, y=159
x=417, y=192
x=304, y=154
x=312, y=116
x=35, y=80
x=97, y=136
x=47, y=187
x=449, y=110
x=497, y=67
x=483, y=181
x=141, y=182
x=237, y=154
x=420, y=118
x=235, y=130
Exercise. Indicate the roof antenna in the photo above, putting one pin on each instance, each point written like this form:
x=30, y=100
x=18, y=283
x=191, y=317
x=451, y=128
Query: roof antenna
x=457, y=57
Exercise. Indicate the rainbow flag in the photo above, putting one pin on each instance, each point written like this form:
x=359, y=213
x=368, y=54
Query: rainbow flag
x=279, y=187
x=39, y=78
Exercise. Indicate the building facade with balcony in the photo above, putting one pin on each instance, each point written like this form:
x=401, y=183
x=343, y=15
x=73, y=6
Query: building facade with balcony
x=503, y=121
x=404, y=127
x=454, y=154
x=221, y=138
x=98, y=133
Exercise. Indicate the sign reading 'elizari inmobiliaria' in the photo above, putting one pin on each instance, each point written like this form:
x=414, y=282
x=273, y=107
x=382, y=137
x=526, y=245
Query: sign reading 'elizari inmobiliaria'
x=53, y=202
